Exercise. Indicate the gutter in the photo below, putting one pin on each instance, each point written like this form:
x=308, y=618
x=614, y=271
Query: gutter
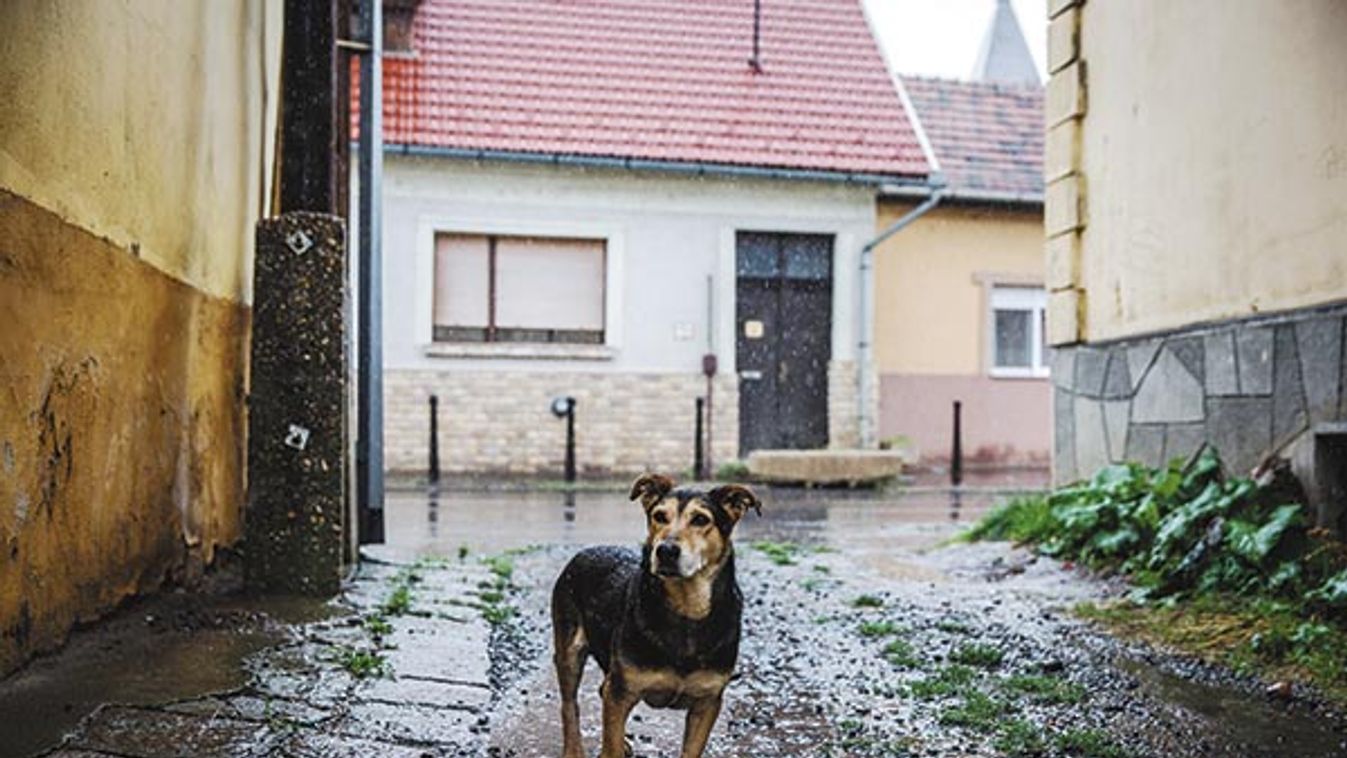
x=865, y=345
x=968, y=196
x=685, y=168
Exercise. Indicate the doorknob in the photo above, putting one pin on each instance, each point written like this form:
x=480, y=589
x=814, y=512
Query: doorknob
x=750, y=375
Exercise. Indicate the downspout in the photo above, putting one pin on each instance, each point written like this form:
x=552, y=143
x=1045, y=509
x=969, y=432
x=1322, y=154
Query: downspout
x=865, y=346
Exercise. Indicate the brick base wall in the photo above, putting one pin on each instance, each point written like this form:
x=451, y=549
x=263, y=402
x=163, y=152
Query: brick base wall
x=500, y=421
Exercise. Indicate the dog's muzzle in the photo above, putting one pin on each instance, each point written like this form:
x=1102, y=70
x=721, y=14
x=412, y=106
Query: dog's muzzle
x=666, y=559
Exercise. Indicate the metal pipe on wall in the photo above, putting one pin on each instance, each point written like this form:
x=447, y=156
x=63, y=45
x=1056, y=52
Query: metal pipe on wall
x=865, y=346
x=369, y=296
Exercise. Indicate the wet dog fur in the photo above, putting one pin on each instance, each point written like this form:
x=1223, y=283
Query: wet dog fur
x=663, y=624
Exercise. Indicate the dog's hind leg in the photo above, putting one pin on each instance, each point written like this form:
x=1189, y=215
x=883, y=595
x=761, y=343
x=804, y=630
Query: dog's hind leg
x=697, y=730
x=569, y=650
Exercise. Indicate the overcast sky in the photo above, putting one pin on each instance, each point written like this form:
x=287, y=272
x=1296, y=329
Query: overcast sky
x=942, y=37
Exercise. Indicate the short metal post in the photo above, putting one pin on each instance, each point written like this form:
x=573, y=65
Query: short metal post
x=698, y=459
x=956, y=455
x=570, y=439
x=434, y=474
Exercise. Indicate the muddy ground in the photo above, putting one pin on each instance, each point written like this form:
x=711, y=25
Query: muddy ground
x=866, y=634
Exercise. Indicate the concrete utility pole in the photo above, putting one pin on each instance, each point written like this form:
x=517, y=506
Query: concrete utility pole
x=298, y=421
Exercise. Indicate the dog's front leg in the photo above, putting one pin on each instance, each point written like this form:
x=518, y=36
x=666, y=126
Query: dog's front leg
x=697, y=729
x=617, y=705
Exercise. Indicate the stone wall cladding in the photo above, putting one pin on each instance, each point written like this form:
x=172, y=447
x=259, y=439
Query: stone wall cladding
x=1249, y=388
x=499, y=421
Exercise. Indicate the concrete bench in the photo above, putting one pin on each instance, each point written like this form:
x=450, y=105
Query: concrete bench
x=825, y=467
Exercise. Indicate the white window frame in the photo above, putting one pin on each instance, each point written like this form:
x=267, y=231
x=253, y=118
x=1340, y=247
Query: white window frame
x=430, y=226
x=1017, y=295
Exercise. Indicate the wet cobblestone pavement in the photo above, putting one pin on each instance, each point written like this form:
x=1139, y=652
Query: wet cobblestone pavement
x=865, y=635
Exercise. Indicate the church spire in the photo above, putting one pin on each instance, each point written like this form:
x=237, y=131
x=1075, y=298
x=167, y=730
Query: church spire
x=1004, y=57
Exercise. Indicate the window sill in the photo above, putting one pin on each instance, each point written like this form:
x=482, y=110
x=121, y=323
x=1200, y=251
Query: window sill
x=1020, y=373
x=521, y=351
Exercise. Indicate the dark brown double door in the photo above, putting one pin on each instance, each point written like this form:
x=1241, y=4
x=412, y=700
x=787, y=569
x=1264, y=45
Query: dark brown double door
x=784, y=339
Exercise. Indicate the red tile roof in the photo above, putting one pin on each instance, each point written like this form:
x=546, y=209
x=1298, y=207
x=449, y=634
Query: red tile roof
x=661, y=80
x=987, y=137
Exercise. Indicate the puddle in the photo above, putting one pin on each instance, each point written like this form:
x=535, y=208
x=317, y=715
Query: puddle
x=440, y=522
x=1251, y=726
x=158, y=650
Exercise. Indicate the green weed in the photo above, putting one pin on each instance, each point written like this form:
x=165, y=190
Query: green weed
x=1088, y=743
x=1046, y=689
x=976, y=654
x=868, y=601
x=878, y=628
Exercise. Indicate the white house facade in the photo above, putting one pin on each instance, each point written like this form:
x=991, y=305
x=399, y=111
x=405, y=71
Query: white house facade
x=664, y=296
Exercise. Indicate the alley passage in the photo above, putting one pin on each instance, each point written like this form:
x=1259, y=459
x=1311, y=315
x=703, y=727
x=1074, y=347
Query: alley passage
x=866, y=634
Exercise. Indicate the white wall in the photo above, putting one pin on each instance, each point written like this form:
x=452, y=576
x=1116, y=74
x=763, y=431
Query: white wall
x=666, y=234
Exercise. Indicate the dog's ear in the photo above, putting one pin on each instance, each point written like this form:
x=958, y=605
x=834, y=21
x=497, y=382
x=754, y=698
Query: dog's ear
x=736, y=499
x=651, y=488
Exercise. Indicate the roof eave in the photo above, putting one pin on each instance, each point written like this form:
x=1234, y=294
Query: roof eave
x=686, y=168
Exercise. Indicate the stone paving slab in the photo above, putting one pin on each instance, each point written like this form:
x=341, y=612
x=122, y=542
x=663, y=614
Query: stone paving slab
x=148, y=732
x=317, y=745
x=411, y=723
x=253, y=708
x=429, y=692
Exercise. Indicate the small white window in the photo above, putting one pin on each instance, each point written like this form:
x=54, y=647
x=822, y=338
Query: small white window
x=496, y=288
x=1019, y=333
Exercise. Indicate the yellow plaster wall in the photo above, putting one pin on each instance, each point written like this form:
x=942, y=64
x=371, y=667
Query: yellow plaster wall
x=144, y=122
x=1214, y=157
x=132, y=160
x=930, y=317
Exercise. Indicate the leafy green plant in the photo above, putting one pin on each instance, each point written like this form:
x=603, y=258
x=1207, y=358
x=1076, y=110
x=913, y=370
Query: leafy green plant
x=1180, y=530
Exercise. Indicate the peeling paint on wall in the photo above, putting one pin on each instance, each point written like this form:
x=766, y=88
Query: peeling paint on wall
x=122, y=423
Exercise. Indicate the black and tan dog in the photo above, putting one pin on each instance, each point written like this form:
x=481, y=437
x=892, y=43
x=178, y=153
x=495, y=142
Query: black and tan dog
x=663, y=624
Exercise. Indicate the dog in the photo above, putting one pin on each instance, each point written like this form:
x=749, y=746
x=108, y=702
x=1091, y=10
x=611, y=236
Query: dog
x=663, y=623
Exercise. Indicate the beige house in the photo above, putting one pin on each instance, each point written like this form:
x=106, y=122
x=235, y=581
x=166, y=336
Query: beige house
x=1197, y=234
x=130, y=184
x=959, y=296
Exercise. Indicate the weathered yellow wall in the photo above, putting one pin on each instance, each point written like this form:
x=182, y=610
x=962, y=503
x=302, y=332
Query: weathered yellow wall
x=133, y=153
x=142, y=122
x=1214, y=157
x=930, y=317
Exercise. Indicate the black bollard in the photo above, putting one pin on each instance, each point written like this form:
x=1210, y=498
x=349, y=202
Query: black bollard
x=956, y=455
x=698, y=457
x=433, y=475
x=564, y=407
x=570, y=439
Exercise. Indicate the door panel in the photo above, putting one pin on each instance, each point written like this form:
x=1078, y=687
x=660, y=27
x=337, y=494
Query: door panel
x=784, y=339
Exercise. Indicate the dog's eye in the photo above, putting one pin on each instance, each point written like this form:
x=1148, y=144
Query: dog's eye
x=660, y=517
x=701, y=520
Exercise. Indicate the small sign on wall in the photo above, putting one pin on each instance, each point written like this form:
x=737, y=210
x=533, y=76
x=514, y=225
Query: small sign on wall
x=753, y=329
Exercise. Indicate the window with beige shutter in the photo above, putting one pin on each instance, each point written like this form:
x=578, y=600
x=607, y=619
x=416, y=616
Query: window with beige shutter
x=501, y=288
